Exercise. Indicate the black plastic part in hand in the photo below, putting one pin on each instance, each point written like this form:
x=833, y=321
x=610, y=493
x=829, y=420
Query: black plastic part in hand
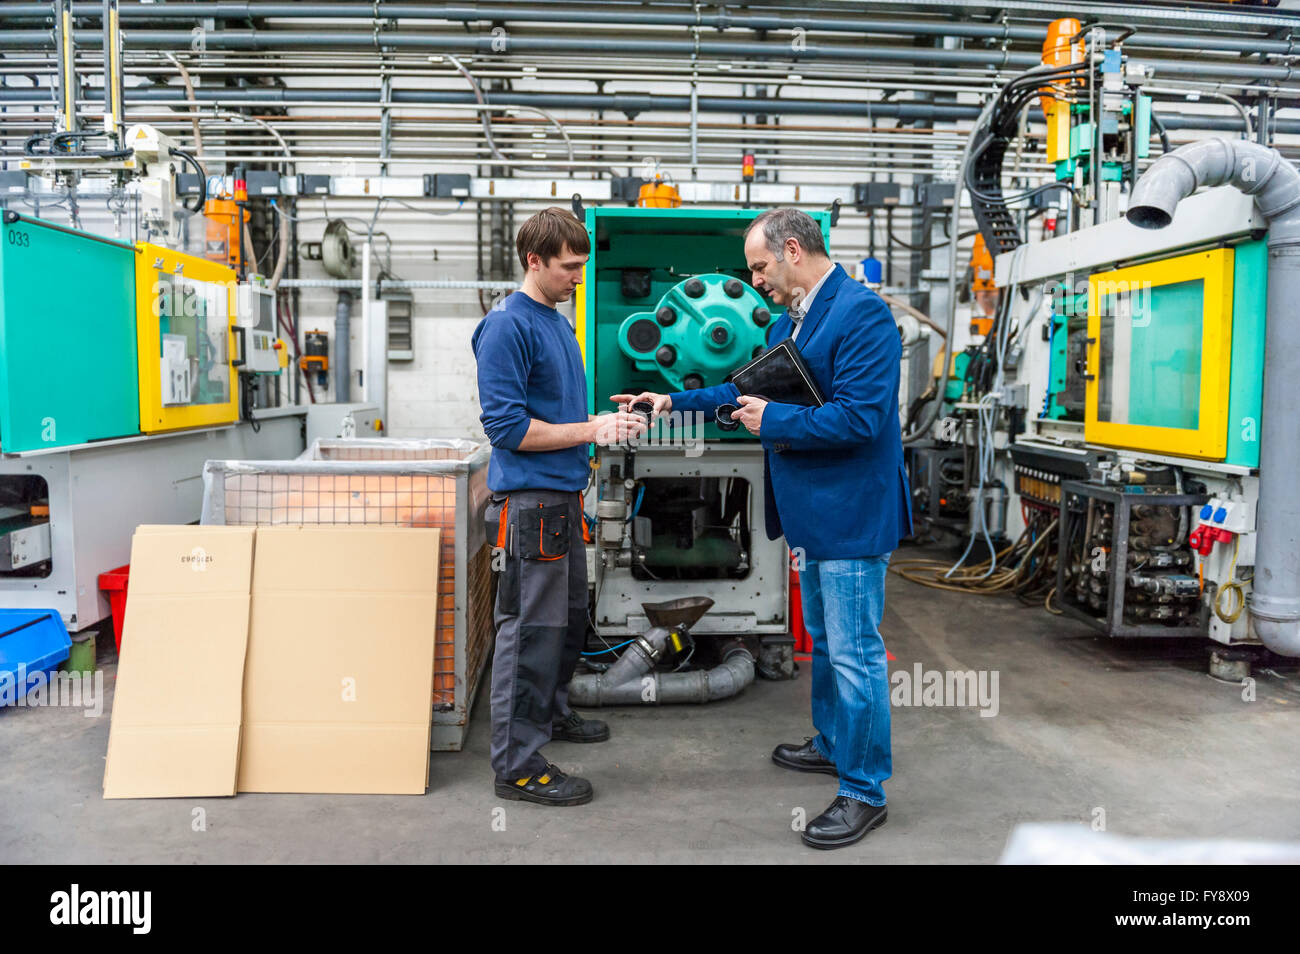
x=722, y=417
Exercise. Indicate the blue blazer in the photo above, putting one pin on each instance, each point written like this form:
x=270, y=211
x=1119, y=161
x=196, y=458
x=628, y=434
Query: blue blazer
x=835, y=482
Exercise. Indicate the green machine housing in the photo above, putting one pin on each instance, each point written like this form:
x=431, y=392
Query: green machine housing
x=1068, y=333
x=68, y=371
x=646, y=263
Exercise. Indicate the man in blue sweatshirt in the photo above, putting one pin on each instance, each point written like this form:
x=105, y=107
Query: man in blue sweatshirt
x=533, y=393
x=837, y=489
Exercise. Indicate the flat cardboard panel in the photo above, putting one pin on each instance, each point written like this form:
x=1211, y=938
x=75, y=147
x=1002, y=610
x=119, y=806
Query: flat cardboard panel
x=304, y=647
x=179, y=662
x=376, y=560
x=340, y=662
x=338, y=759
x=171, y=761
x=177, y=706
x=187, y=560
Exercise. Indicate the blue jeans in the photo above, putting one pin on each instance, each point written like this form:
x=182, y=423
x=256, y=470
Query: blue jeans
x=843, y=602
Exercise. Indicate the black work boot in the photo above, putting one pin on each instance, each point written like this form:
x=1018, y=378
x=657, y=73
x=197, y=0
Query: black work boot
x=551, y=787
x=803, y=758
x=846, y=821
x=574, y=728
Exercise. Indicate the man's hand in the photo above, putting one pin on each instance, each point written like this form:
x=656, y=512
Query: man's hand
x=616, y=428
x=750, y=413
x=662, y=402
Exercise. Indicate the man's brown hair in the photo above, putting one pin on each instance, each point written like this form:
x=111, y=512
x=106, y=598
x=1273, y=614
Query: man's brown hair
x=548, y=232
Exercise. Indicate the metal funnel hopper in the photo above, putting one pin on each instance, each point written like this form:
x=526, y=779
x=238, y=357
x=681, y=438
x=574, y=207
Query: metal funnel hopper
x=677, y=614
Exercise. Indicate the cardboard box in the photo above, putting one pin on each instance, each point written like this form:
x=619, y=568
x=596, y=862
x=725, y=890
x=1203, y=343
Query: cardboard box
x=177, y=706
x=340, y=660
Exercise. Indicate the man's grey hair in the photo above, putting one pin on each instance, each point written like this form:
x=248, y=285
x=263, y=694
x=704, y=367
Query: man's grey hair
x=781, y=224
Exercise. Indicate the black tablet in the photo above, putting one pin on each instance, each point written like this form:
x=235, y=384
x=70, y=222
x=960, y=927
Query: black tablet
x=779, y=374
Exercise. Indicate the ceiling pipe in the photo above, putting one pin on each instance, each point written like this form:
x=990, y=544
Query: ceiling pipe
x=1263, y=173
x=551, y=13
x=629, y=103
x=266, y=40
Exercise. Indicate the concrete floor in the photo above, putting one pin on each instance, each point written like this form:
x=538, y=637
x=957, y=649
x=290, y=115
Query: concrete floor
x=1138, y=730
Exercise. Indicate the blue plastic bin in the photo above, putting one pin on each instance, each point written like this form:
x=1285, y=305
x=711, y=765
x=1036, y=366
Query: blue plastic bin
x=31, y=642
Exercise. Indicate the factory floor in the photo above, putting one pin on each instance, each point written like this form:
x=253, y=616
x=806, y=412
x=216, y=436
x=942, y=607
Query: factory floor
x=1139, y=731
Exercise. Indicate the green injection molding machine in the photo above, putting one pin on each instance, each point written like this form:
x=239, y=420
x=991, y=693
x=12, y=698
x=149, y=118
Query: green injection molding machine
x=666, y=303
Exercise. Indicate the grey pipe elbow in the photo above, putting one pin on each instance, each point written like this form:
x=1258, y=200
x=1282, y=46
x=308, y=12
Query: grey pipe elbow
x=727, y=679
x=1253, y=169
x=1277, y=627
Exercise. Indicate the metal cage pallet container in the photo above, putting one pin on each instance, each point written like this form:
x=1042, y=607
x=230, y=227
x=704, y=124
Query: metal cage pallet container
x=388, y=482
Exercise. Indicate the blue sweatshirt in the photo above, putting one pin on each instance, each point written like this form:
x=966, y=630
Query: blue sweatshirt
x=529, y=366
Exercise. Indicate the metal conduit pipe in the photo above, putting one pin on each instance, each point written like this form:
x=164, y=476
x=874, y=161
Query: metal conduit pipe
x=1213, y=94
x=267, y=40
x=1262, y=172
x=243, y=12
x=1162, y=17
x=630, y=103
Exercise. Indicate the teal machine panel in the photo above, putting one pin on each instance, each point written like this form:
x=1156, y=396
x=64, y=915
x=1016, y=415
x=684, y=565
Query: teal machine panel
x=1246, y=383
x=642, y=261
x=67, y=337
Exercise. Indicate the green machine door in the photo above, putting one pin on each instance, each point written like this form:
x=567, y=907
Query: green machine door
x=67, y=336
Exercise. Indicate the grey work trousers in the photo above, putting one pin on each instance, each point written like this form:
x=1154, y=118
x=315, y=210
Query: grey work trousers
x=541, y=619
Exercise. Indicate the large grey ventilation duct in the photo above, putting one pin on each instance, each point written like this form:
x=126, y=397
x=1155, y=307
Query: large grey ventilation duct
x=1262, y=172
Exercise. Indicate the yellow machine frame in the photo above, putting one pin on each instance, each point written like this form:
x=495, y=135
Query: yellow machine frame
x=1209, y=440
x=153, y=415
x=580, y=315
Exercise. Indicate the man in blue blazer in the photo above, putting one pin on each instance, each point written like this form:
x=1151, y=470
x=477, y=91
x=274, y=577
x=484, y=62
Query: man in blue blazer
x=837, y=488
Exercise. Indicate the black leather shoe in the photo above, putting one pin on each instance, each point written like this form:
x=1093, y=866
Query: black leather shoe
x=846, y=820
x=551, y=787
x=574, y=728
x=803, y=758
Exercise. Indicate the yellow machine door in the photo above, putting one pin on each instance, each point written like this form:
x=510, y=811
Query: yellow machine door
x=1160, y=356
x=185, y=312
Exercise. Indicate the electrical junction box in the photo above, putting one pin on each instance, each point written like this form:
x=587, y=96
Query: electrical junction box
x=1237, y=516
x=313, y=184
x=935, y=195
x=256, y=316
x=875, y=195
x=443, y=185
x=13, y=183
x=262, y=182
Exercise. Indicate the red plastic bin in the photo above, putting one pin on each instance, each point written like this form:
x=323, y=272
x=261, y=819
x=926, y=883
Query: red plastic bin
x=802, y=641
x=113, y=584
